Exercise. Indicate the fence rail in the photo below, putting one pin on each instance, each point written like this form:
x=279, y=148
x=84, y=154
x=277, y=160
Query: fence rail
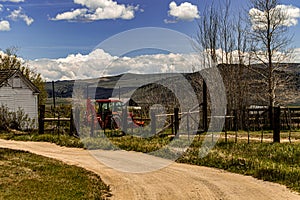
x=43, y=119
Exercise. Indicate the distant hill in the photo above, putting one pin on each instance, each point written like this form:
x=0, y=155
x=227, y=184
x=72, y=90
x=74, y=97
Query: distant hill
x=104, y=87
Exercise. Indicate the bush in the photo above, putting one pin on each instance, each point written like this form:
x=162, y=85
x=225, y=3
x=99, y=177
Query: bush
x=4, y=118
x=14, y=120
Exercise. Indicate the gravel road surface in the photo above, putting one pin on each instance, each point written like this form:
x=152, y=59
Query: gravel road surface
x=171, y=181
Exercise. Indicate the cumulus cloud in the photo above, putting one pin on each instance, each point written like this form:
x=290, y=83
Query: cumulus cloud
x=93, y=10
x=185, y=11
x=99, y=63
x=289, y=13
x=15, y=15
x=71, y=15
x=296, y=55
x=4, y=25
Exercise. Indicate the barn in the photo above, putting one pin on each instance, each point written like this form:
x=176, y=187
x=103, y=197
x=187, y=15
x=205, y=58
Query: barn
x=16, y=91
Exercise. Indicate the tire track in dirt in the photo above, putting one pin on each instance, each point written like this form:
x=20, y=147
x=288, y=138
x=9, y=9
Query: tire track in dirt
x=176, y=181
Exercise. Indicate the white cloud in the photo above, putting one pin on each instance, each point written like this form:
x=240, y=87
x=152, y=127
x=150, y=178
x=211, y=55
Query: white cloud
x=167, y=21
x=13, y=1
x=290, y=13
x=71, y=15
x=1, y=7
x=19, y=14
x=296, y=55
x=99, y=63
x=185, y=11
x=4, y=25
x=98, y=10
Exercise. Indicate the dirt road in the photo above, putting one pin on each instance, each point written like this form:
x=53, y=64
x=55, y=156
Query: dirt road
x=176, y=181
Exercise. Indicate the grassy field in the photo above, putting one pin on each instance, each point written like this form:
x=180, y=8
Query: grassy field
x=273, y=162
x=267, y=161
x=61, y=140
x=265, y=135
x=28, y=176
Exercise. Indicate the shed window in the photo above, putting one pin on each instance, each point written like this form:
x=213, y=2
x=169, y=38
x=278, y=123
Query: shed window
x=16, y=82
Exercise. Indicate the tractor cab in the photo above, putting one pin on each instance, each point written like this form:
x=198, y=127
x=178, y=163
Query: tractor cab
x=110, y=113
x=107, y=110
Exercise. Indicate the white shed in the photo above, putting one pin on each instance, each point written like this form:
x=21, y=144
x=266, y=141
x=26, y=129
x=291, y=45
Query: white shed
x=16, y=91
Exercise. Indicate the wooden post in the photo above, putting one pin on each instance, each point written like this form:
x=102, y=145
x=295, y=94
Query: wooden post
x=93, y=125
x=271, y=117
x=235, y=121
x=72, y=129
x=53, y=94
x=204, y=106
x=153, y=122
x=77, y=120
x=176, y=123
x=225, y=128
x=58, y=124
x=172, y=124
x=124, y=120
x=276, y=124
x=41, y=119
x=248, y=127
x=188, y=124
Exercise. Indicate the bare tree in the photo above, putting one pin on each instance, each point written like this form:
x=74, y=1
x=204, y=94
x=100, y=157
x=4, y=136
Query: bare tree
x=271, y=41
x=10, y=60
x=207, y=38
x=269, y=34
x=223, y=37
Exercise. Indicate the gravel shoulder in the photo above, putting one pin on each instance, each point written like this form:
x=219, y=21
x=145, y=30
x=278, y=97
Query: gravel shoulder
x=174, y=181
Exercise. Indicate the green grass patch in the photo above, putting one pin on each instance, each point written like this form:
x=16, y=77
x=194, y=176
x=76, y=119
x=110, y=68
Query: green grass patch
x=145, y=145
x=29, y=176
x=61, y=140
x=267, y=161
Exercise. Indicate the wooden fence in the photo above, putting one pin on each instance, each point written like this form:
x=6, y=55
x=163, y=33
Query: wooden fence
x=58, y=120
x=252, y=119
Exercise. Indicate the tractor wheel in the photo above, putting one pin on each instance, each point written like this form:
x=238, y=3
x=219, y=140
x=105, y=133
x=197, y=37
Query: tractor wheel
x=116, y=123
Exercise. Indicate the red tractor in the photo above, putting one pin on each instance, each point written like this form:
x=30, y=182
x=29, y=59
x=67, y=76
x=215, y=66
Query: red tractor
x=110, y=113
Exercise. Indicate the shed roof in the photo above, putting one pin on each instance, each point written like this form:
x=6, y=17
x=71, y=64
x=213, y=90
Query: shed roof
x=8, y=73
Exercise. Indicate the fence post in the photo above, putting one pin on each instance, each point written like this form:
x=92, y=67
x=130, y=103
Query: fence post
x=276, y=124
x=93, y=125
x=71, y=124
x=172, y=124
x=188, y=124
x=204, y=106
x=53, y=95
x=248, y=126
x=235, y=121
x=153, y=122
x=77, y=121
x=176, y=123
x=124, y=120
x=41, y=119
x=271, y=117
x=225, y=129
x=58, y=124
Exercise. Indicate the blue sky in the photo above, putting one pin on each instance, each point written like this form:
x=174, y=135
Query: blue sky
x=44, y=28
x=45, y=38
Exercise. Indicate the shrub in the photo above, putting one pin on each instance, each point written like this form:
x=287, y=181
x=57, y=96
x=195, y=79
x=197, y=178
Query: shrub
x=4, y=118
x=14, y=120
